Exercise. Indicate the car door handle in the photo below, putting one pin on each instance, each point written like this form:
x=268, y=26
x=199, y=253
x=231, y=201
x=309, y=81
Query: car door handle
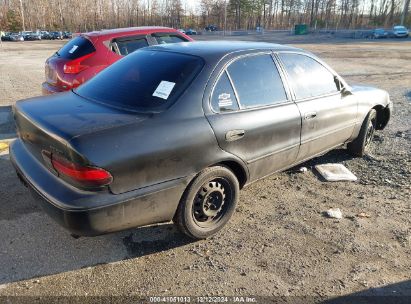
x=233, y=135
x=310, y=115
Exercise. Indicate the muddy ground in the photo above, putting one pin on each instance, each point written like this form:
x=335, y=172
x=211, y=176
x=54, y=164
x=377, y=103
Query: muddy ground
x=278, y=242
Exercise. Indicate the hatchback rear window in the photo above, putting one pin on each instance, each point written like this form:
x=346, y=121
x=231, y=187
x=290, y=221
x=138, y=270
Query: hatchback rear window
x=145, y=80
x=76, y=48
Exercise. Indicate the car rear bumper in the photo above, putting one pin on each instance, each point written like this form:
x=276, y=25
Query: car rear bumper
x=48, y=89
x=88, y=213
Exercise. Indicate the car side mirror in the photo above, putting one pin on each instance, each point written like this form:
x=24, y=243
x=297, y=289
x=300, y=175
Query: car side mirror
x=340, y=87
x=338, y=83
x=345, y=91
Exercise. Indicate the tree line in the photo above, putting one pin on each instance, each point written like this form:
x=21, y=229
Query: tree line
x=89, y=15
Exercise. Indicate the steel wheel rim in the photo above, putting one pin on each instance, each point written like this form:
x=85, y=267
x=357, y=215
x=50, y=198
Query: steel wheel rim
x=211, y=202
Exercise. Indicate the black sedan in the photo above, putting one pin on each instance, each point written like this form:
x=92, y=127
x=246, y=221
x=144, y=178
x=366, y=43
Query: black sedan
x=172, y=132
x=12, y=37
x=56, y=35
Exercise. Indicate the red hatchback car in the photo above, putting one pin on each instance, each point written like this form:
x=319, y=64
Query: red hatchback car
x=87, y=54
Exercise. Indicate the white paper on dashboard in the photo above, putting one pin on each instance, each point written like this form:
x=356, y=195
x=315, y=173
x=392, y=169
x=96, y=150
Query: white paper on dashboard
x=164, y=89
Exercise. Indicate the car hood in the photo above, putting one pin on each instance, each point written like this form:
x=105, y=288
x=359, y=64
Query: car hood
x=360, y=88
x=371, y=93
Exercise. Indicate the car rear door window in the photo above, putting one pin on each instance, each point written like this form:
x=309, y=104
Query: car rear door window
x=223, y=98
x=128, y=46
x=76, y=48
x=308, y=77
x=257, y=81
x=168, y=38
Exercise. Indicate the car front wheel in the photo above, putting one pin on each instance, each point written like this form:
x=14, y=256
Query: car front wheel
x=208, y=202
x=359, y=146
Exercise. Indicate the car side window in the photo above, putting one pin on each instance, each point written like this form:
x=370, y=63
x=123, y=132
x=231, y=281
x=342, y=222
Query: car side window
x=308, y=77
x=169, y=38
x=126, y=47
x=223, y=98
x=257, y=81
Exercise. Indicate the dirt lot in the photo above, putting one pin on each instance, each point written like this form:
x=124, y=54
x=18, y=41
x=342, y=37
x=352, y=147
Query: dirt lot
x=278, y=243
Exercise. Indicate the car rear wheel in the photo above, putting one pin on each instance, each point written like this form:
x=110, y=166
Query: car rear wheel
x=208, y=203
x=359, y=146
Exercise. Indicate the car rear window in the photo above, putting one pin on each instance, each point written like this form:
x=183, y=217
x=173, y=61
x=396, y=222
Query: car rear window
x=76, y=48
x=145, y=80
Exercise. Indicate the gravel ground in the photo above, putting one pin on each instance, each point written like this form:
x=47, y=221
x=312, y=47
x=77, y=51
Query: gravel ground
x=278, y=242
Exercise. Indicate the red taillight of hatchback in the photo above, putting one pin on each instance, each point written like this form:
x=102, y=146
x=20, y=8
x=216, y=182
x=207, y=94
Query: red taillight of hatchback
x=83, y=176
x=75, y=66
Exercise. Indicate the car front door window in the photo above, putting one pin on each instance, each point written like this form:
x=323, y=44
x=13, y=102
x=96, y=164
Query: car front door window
x=308, y=77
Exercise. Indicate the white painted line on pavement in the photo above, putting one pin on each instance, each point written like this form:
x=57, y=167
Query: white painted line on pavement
x=4, y=148
x=5, y=155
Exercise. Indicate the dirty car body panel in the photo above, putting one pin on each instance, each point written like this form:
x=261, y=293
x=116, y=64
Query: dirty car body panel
x=227, y=103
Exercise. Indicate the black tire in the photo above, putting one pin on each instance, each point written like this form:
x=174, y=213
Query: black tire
x=359, y=146
x=208, y=203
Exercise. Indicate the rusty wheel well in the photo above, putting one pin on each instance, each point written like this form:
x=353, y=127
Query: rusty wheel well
x=383, y=116
x=237, y=169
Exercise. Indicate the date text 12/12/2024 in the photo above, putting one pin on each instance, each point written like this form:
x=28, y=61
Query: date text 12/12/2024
x=203, y=299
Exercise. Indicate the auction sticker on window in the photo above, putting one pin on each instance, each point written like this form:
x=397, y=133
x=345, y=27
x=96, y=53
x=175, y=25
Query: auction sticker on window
x=164, y=89
x=224, y=100
x=73, y=49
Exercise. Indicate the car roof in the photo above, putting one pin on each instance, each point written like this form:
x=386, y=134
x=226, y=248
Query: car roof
x=218, y=49
x=117, y=32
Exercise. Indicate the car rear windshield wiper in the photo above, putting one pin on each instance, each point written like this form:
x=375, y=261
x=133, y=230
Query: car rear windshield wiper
x=57, y=53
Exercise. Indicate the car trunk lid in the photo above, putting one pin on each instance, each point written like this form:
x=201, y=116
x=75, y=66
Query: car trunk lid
x=50, y=124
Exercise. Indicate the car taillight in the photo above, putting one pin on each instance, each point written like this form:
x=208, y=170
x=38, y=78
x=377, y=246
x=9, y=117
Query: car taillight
x=75, y=66
x=82, y=175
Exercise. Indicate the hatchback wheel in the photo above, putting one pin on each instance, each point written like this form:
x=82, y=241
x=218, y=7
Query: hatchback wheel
x=208, y=203
x=359, y=146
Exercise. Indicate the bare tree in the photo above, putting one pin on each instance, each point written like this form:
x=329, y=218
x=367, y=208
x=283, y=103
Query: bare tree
x=405, y=11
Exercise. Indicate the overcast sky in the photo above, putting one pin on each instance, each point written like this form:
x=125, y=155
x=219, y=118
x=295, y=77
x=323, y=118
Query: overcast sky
x=191, y=4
